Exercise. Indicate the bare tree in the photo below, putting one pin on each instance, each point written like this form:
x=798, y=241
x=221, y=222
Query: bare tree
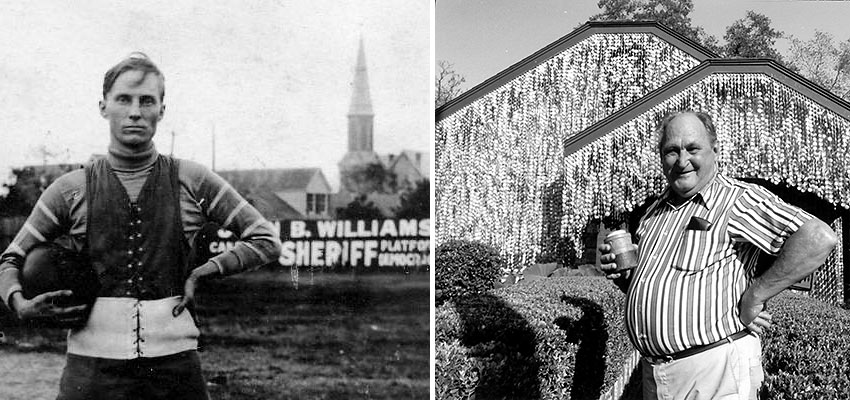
x=446, y=84
x=45, y=150
x=823, y=62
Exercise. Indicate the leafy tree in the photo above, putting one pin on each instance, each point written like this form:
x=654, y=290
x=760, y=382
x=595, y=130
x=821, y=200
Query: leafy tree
x=822, y=62
x=417, y=202
x=674, y=14
x=446, y=83
x=20, y=191
x=359, y=208
x=7, y=181
x=20, y=198
x=752, y=37
x=370, y=178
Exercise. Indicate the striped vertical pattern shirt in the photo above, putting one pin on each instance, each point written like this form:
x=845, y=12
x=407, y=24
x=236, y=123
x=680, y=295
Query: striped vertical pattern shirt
x=690, y=277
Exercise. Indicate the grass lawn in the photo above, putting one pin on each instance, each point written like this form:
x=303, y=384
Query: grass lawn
x=337, y=336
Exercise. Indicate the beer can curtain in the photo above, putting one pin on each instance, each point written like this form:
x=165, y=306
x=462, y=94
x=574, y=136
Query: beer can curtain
x=498, y=158
x=525, y=161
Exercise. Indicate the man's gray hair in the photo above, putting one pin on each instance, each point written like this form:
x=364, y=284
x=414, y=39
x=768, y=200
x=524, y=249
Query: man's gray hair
x=661, y=128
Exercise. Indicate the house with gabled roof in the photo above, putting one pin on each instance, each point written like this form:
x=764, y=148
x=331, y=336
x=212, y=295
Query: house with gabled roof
x=531, y=159
x=409, y=167
x=284, y=193
x=273, y=207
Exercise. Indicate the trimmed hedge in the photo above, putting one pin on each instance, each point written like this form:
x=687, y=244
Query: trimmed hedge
x=806, y=352
x=556, y=338
x=465, y=268
x=562, y=338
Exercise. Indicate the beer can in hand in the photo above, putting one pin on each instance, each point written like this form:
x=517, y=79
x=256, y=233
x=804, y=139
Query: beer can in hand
x=623, y=250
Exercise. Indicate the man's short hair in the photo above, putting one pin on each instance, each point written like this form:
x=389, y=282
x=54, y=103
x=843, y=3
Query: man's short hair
x=136, y=61
x=707, y=122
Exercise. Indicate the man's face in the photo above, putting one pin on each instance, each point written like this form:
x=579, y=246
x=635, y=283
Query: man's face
x=687, y=156
x=133, y=108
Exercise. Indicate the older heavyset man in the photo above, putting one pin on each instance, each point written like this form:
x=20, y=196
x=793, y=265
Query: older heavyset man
x=135, y=212
x=694, y=306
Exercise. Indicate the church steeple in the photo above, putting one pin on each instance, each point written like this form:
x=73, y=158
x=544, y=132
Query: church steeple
x=360, y=153
x=361, y=102
x=360, y=114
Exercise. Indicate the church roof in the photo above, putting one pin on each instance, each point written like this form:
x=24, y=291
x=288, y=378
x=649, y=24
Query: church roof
x=361, y=101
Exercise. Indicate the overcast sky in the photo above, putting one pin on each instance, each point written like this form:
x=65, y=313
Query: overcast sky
x=271, y=78
x=483, y=37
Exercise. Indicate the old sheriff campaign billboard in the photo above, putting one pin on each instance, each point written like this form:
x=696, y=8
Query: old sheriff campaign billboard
x=340, y=243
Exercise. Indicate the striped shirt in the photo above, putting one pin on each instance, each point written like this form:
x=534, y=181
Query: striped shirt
x=204, y=197
x=686, y=288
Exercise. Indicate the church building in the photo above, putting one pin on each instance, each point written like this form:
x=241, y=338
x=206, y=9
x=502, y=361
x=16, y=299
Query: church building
x=363, y=171
x=304, y=193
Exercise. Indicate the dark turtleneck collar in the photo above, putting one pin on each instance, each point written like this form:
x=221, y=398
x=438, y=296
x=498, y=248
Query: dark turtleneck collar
x=124, y=160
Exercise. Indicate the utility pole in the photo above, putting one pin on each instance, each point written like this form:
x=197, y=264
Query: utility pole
x=213, y=147
x=44, y=149
x=172, y=143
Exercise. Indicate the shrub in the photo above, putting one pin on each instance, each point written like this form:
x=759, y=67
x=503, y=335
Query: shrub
x=465, y=268
x=807, y=350
x=555, y=338
x=563, y=337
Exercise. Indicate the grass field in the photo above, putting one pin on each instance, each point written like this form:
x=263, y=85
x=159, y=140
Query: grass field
x=337, y=336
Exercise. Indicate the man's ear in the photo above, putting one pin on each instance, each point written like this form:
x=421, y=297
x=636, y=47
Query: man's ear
x=161, y=112
x=102, y=106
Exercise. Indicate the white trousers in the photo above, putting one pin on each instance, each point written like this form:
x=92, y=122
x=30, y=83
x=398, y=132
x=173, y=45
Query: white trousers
x=731, y=371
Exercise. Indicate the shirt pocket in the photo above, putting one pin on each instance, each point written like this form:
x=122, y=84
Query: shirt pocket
x=696, y=251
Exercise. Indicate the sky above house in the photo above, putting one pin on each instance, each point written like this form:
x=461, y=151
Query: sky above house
x=483, y=37
x=271, y=80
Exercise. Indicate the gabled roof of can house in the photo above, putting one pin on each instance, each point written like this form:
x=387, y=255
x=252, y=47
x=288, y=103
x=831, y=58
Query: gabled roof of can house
x=710, y=62
x=586, y=30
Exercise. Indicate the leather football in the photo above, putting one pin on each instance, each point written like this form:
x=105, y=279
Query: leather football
x=49, y=267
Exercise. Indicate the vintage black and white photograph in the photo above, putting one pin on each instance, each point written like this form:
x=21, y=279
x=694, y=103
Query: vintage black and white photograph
x=215, y=200
x=642, y=199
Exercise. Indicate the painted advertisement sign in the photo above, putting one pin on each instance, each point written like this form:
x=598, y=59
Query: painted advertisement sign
x=341, y=243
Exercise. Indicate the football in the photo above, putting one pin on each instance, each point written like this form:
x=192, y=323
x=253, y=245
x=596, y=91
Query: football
x=49, y=267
